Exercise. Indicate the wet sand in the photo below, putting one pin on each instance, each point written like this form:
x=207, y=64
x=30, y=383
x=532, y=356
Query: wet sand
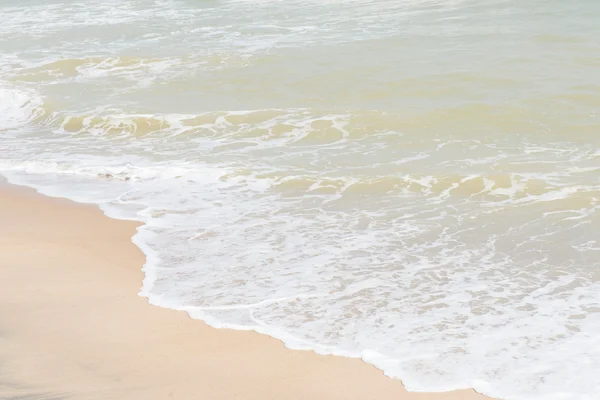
x=73, y=327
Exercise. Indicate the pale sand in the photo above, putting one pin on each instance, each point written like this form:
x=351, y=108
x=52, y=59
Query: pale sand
x=72, y=325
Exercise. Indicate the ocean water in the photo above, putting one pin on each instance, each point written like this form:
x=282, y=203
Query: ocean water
x=412, y=182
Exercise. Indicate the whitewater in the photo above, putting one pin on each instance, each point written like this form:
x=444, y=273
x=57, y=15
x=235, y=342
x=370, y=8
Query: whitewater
x=414, y=182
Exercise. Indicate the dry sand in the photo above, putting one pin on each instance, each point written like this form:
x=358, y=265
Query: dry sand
x=73, y=327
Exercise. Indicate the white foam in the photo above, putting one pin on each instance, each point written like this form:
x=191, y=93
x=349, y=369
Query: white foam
x=416, y=289
x=18, y=106
x=450, y=239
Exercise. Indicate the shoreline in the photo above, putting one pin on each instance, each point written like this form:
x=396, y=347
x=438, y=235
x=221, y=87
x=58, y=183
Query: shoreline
x=73, y=326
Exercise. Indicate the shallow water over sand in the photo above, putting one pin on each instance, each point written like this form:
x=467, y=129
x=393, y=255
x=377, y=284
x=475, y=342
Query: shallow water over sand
x=414, y=182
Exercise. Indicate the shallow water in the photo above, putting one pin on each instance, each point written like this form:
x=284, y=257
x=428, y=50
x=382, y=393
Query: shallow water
x=410, y=182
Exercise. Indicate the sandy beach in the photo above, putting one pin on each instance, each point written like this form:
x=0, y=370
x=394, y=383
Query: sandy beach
x=73, y=327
